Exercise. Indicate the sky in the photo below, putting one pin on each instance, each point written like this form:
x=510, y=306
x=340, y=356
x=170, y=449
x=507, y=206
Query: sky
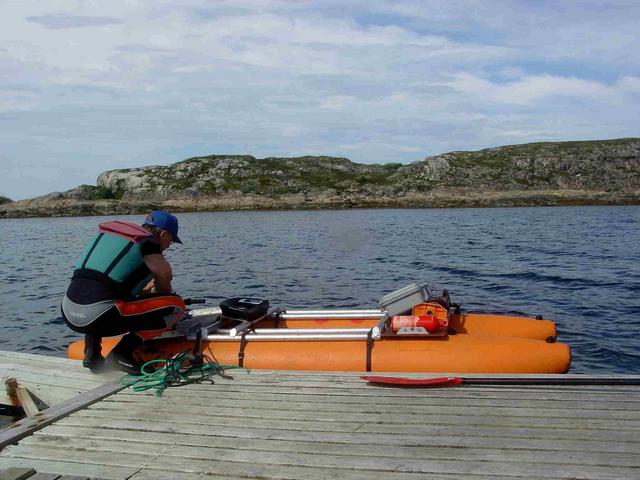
x=89, y=86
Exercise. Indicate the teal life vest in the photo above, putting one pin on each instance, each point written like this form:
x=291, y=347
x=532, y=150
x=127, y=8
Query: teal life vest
x=115, y=253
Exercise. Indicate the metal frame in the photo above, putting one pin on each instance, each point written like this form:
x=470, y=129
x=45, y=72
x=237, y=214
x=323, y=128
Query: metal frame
x=245, y=332
x=295, y=337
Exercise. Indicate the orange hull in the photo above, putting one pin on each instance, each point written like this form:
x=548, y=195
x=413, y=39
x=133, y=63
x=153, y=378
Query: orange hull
x=469, y=323
x=484, y=344
x=502, y=325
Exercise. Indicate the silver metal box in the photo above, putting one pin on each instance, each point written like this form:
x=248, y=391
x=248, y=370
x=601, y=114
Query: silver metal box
x=404, y=299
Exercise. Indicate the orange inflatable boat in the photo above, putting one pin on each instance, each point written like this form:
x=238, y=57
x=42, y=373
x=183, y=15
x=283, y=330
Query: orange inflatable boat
x=413, y=331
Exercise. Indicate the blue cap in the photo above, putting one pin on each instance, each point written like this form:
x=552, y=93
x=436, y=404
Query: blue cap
x=165, y=221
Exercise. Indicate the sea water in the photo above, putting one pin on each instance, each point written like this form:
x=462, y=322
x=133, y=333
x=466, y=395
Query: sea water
x=579, y=266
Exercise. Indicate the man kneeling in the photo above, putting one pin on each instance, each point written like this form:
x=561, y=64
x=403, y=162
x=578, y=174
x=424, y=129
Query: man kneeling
x=122, y=285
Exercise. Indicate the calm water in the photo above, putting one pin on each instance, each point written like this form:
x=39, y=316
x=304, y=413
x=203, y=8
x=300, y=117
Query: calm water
x=579, y=266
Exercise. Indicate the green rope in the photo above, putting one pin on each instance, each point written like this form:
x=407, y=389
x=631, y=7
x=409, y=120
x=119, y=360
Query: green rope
x=174, y=373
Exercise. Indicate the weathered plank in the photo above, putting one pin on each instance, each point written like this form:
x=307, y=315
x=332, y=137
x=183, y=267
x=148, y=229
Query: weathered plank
x=47, y=476
x=180, y=458
x=223, y=470
x=431, y=448
x=148, y=474
x=354, y=420
x=582, y=393
x=35, y=358
x=300, y=425
x=400, y=412
x=428, y=428
x=27, y=426
x=16, y=473
x=362, y=442
x=522, y=380
x=53, y=394
x=78, y=379
x=43, y=367
x=357, y=403
x=23, y=397
x=63, y=467
x=216, y=466
x=53, y=380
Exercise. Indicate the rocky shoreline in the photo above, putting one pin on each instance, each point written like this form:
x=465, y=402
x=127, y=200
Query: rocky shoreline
x=67, y=208
x=600, y=172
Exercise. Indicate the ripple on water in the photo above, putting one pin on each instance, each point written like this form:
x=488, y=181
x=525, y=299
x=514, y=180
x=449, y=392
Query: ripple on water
x=554, y=261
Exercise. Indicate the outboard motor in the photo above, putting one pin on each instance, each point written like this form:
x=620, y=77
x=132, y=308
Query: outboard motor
x=244, y=309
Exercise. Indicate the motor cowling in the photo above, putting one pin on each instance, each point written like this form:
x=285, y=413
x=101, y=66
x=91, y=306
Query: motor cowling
x=433, y=309
x=242, y=308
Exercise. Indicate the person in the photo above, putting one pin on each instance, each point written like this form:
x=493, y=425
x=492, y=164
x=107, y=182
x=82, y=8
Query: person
x=122, y=285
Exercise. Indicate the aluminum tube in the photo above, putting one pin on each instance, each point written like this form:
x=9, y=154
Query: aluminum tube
x=331, y=316
x=199, y=312
x=352, y=311
x=316, y=337
x=303, y=314
x=204, y=312
x=244, y=326
x=298, y=331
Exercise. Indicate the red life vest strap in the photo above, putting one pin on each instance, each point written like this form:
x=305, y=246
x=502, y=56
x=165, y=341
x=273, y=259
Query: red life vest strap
x=130, y=231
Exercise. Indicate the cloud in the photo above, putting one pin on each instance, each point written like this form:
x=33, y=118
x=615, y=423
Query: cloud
x=337, y=102
x=529, y=89
x=56, y=22
x=16, y=100
x=375, y=81
x=600, y=32
x=630, y=84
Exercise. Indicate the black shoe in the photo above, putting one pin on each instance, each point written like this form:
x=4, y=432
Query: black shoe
x=122, y=357
x=127, y=365
x=93, y=358
x=99, y=367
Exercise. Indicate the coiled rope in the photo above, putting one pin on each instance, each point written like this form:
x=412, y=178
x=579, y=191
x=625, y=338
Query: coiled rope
x=179, y=370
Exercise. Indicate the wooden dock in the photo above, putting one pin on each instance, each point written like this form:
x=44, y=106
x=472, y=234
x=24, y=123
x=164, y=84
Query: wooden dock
x=292, y=425
x=53, y=380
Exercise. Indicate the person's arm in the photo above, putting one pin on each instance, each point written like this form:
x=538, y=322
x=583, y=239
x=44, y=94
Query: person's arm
x=161, y=271
x=149, y=288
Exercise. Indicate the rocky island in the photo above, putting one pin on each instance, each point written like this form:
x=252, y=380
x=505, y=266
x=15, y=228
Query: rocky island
x=549, y=173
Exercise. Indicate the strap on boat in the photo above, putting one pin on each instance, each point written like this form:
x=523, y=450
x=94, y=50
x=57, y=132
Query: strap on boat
x=243, y=344
x=369, y=348
x=275, y=312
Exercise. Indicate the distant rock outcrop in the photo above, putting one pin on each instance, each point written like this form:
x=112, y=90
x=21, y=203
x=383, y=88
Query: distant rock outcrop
x=220, y=175
x=605, y=165
x=551, y=173
x=4, y=200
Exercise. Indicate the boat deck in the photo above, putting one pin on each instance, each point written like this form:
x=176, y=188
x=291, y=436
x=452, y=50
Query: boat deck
x=290, y=425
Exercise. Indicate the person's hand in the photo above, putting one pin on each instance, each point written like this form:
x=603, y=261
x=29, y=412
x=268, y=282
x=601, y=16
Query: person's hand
x=149, y=288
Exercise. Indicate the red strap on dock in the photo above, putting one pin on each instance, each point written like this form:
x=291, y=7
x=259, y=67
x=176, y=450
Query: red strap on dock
x=415, y=382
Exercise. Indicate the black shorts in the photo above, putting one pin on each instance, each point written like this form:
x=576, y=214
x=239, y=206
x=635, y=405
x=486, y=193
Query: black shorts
x=148, y=316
